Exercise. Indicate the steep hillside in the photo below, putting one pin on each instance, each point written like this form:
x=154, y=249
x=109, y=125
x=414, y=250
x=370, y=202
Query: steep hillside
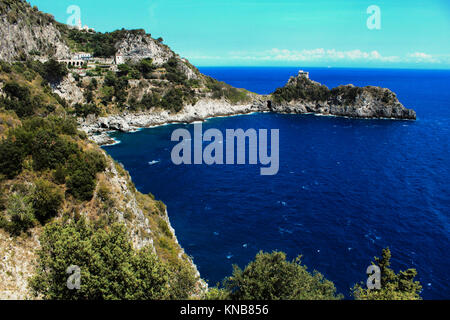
x=50, y=173
x=26, y=32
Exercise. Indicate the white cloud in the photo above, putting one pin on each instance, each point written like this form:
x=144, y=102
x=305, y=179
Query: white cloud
x=326, y=55
x=313, y=55
x=422, y=57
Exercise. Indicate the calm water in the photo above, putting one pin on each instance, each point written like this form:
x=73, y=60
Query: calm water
x=346, y=188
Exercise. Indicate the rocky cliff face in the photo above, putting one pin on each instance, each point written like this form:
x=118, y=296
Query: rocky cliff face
x=25, y=32
x=136, y=47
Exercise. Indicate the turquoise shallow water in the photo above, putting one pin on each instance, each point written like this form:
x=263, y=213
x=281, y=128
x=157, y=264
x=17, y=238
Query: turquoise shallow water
x=346, y=188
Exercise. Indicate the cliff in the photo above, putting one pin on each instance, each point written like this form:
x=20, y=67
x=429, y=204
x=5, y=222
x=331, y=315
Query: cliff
x=26, y=32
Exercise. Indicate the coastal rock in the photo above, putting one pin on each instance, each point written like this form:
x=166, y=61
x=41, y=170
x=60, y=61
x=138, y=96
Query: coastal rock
x=301, y=95
x=136, y=46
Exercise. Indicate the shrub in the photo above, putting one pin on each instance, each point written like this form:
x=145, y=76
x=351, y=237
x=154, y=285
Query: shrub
x=11, y=158
x=394, y=286
x=81, y=185
x=110, y=267
x=59, y=175
x=173, y=100
x=50, y=150
x=54, y=71
x=83, y=110
x=162, y=224
x=271, y=277
x=82, y=169
x=104, y=192
x=47, y=199
x=20, y=211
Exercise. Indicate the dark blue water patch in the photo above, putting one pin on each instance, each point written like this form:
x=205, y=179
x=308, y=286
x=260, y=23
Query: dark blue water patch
x=346, y=189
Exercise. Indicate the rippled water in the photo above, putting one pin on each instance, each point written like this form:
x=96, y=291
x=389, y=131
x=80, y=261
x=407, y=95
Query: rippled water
x=346, y=188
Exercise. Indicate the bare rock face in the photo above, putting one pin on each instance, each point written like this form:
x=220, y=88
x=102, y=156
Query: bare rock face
x=68, y=90
x=136, y=46
x=21, y=37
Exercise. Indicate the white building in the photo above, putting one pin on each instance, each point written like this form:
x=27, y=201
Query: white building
x=302, y=73
x=82, y=56
x=119, y=59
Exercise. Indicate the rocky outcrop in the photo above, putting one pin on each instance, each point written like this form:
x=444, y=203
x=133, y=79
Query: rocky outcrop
x=68, y=90
x=25, y=32
x=302, y=95
x=136, y=46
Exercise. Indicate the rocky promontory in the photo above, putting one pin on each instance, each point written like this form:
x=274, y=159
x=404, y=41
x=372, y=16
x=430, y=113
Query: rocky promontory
x=302, y=95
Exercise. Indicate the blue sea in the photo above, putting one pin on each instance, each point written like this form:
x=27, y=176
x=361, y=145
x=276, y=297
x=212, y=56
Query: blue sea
x=346, y=188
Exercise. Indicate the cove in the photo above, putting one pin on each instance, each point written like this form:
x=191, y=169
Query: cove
x=345, y=189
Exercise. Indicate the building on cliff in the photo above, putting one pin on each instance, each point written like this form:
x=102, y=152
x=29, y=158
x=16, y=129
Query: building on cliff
x=302, y=73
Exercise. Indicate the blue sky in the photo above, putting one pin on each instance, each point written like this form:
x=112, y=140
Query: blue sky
x=412, y=34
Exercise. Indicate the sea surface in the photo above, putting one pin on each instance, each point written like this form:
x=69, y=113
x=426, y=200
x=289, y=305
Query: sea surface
x=346, y=188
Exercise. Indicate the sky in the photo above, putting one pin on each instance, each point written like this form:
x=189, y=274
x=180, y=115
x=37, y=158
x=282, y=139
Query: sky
x=310, y=33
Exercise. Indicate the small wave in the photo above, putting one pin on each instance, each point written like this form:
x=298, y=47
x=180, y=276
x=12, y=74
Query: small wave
x=282, y=230
x=153, y=162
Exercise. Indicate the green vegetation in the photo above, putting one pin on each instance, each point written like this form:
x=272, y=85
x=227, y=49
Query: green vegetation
x=82, y=169
x=20, y=211
x=99, y=44
x=222, y=90
x=301, y=89
x=394, y=286
x=110, y=267
x=271, y=277
x=47, y=200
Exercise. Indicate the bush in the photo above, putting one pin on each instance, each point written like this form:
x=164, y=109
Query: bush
x=271, y=277
x=47, y=199
x=81, y=185
x=110, y=267
x=50, y=150
x=83, y=110
x=82, y=170
x=20, y=211
x=12, y=155
x=394, y=286
x=59, y=175
x=173, y=100
x=54, y=71
x=162, y=224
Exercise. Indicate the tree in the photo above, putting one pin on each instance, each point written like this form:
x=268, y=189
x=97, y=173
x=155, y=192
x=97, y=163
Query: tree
x=47, y=199
x=54, y=71
x=11, y=158
x=110, y=267
x=271, y=277
x=50, y=150
x=81, y=185
x=394, y=286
